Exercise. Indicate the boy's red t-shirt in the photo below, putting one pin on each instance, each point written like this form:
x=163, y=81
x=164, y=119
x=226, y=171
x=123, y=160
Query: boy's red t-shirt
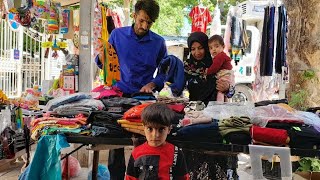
x=148, y=162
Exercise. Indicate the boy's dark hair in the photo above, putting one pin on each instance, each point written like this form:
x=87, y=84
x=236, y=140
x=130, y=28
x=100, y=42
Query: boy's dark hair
x=151, y=7
x=217, y=38
x=157, y=114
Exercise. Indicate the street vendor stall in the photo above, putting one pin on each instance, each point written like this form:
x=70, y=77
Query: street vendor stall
x=107, y=128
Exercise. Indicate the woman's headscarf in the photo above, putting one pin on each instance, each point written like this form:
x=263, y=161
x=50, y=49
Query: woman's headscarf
x=201, y=38
x=201, y=86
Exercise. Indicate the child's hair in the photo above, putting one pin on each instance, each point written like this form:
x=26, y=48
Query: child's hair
x=157, y=114
x=217, y=38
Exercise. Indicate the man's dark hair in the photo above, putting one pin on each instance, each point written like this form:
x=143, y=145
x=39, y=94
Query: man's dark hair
x=157, y=114
x=217, y=38
x=151, y=7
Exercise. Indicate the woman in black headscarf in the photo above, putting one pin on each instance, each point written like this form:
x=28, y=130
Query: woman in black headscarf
x=201, y=87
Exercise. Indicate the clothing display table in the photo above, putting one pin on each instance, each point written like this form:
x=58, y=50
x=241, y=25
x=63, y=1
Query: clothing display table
x=104, y=143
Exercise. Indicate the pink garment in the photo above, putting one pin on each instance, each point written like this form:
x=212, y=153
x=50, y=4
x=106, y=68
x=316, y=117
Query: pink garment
x=228, y=76
x=116, y=19
x=195, y=117
x=107, y=92
x=200, y=19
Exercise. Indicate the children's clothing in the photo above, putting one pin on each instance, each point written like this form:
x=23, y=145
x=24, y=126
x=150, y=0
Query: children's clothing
x=221, y=66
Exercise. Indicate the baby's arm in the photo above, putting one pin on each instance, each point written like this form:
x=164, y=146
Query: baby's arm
x=217, y=63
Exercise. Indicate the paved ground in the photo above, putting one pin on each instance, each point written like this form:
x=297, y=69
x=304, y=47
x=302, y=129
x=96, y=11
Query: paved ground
x=13, y=172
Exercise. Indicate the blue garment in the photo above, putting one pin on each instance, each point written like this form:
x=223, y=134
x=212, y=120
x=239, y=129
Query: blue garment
x=56, y=102
x=201, y=132
x=138, y=58
x=46, y=162
x=172, y=67
x=270, y=55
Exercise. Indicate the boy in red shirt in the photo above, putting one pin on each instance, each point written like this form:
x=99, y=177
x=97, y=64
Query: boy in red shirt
x=221, y=63
x=156, y=158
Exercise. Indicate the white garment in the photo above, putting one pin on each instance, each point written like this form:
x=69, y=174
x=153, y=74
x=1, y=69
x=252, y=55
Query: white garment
x=216, y=23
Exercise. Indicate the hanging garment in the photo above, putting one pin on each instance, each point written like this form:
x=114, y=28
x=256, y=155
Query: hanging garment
x=281, y=59
x=270, y=55
x=264, y=42
x=200, y=19
x=111, y=66
x=97, y=28
x=216, y=23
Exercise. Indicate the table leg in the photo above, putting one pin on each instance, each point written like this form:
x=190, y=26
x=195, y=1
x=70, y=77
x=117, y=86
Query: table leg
x=95, y=165
x=67, y=167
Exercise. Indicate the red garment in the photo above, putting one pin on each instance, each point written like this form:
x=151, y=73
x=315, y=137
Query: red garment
x=220, y=61
x=105, y=92
x=200, y=19
x=269, y=135
x=135, y=112
x=179, y=108
x=148, y=162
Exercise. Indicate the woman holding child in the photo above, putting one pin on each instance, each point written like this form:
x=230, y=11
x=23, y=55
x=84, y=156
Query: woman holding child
x=201, y=86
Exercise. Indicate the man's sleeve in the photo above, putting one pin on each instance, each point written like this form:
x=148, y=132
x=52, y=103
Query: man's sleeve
x=132, y=173
x=180, y=169
x=160, y=78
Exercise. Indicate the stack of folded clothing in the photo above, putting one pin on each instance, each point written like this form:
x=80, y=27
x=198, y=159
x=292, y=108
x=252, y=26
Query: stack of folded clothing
x=135, y=127
x=105, y=124
x=132, y=119
x=234, y=127
x=54, y=125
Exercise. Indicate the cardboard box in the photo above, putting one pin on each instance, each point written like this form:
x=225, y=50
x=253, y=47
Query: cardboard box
x=306, y=176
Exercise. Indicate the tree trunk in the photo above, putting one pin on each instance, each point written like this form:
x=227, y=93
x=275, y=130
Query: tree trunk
x=303, y=55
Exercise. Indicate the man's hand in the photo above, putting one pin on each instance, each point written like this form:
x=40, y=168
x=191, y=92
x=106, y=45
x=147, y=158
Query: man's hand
x=222, y=85
x=148, y=88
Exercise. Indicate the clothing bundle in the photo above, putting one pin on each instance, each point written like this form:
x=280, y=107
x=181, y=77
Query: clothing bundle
x=201, y=133
x=106, y=92
x=53, y=125
x=269, y=136
x=173, y=69
x=195, y=117
x=83, y=106
x=234, y=124
x=134, y=113
x=119, y=104
x=105, y=124
x=134, y=127
x=54, y=103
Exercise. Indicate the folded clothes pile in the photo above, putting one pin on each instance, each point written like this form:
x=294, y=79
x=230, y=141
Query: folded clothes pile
x=134, y=127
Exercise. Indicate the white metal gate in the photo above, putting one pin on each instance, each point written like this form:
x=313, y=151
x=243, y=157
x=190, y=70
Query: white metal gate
x=21, y=59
